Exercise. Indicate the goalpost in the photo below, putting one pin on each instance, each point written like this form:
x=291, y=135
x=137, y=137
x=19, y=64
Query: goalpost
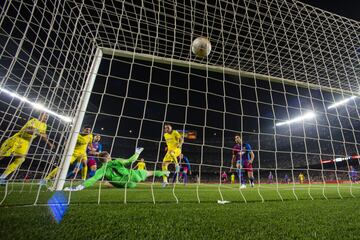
x=126, y=67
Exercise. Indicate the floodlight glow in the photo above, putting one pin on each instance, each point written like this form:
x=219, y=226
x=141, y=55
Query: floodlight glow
x=342, y=102
x=301, y=118
x=37, y=106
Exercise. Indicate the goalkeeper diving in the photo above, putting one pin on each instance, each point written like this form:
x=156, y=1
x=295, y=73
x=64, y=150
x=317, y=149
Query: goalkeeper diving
x=117, y=174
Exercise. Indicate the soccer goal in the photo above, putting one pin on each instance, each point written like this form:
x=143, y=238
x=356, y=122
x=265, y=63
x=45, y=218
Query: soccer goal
x=281, y=76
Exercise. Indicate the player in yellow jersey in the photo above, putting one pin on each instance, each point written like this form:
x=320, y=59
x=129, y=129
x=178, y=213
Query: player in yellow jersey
x=18, y=145
x=232, y=178
x=301, y=178
x=174, y=142
x=83, y=141
x=141, y=165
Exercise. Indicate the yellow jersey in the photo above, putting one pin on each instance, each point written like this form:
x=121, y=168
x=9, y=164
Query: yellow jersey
x=141, y=165
x=82, y=142
x=172, y=139
x=39, y=127
x=301, y=177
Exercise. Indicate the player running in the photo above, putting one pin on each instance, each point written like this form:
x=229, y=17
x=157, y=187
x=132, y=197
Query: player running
x=286, y=179
x=353, y=174
x=117, y=174
x=83, y=141
x=244, y=157
x=236, y=151
x=174, y=142
x=185, y=168
x=94, y=149
x=270, y=178
x=18, y=145
x=248, y=156
x=236, y=159
x=224, y=177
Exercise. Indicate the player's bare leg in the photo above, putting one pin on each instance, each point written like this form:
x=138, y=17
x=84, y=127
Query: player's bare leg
x=251, y=178
x=239, y=170
x=165, y=168
x=18, y=160
x=84, y=169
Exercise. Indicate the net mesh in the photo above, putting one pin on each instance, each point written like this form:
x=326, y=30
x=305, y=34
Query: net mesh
x=271, y=61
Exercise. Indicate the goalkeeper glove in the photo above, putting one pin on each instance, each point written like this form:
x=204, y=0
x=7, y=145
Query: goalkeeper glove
x=74, y=189
x=139, y=150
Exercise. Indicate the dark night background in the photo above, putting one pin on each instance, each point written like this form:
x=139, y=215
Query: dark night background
x=346, y=8
x=132, y=98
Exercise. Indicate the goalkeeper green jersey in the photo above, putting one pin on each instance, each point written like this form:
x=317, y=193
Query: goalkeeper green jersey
x=116, y=172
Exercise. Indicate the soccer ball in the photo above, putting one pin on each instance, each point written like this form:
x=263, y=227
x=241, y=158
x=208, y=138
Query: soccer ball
x=201, y=47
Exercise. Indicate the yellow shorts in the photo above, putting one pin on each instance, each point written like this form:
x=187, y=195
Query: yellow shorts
x=14, y=146
x=172, y=157
x=78, y=156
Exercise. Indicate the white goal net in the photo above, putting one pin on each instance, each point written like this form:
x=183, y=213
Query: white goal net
x=281, y=74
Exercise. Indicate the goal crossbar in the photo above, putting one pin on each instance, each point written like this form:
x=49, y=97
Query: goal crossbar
x=220, y=69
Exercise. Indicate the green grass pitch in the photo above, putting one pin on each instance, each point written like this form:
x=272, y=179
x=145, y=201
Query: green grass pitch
x=140, y=218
